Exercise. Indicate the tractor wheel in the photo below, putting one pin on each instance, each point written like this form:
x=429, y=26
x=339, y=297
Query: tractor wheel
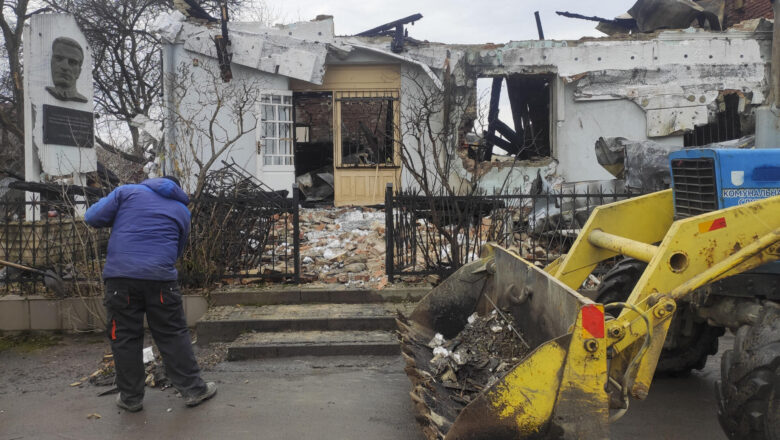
x=688, y=342
x=749, y=390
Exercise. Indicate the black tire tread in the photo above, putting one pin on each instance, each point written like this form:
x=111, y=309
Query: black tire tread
x=749, y=390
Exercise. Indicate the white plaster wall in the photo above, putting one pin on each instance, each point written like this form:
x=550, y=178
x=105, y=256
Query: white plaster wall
x=584, y=122
x=410, y=97
x=199, y=102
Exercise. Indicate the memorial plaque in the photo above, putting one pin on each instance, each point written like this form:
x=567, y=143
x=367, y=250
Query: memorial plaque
x=64, y=126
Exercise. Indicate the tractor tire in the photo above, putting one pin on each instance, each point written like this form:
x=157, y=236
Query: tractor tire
x=749, y=390
x=694, y=340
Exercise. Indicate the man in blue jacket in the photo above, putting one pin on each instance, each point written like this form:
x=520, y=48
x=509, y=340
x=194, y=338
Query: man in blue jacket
x=150, y=223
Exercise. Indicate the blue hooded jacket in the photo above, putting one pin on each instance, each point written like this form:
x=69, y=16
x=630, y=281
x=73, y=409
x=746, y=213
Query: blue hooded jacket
x=150, y=224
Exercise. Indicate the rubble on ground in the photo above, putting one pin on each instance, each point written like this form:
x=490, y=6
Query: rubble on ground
x=343, y=246
x=105, y=375
x=484, y=351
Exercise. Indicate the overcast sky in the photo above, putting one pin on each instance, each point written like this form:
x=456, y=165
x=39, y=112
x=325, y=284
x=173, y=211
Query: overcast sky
x=458, y=21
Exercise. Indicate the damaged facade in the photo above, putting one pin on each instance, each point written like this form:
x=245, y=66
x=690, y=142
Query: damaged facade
x=332, y=112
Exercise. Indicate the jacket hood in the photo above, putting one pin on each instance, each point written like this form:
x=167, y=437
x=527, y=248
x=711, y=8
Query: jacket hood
x=167, y=188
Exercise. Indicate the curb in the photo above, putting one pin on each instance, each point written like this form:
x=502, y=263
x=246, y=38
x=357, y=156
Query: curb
x=277, y=296
x=35, y=312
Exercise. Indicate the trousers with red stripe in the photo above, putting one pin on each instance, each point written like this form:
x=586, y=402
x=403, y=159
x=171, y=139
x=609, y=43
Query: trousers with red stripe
x=126, y=301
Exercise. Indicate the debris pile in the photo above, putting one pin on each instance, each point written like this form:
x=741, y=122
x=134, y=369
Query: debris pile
x=344, y=246
x=487, y=348
x=156, y=377
x=447, y=375
x=106, y=374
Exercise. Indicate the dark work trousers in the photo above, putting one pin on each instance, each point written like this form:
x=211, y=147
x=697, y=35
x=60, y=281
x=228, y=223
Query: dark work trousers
x=126, y=301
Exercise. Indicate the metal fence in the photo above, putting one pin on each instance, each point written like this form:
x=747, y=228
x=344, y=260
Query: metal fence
x=242, y=230
x=240, y=239
x=55, y=238
x=437, y=235
x=234, y=238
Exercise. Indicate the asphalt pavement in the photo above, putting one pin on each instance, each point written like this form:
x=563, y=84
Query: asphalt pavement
x=340, y=398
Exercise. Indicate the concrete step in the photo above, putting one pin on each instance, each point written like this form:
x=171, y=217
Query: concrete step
x=226, y=323
x=296, y=295
x=313, y=343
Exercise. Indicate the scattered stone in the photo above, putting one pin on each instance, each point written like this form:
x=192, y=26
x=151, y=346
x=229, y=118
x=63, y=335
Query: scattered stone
x=355, y=267
x=356, y=259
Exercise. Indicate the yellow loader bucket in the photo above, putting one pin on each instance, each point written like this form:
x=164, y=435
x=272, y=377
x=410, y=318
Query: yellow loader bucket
x=556, y=391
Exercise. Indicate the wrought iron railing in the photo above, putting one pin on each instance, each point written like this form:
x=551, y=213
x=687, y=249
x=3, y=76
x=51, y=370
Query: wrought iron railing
x=437, y=235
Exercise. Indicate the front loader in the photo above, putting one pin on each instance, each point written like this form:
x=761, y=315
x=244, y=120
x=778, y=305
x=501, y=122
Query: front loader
x=587, y=360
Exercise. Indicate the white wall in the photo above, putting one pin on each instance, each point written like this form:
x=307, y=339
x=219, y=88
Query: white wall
x=411, y=96
x=584, y=122
x=199, y=105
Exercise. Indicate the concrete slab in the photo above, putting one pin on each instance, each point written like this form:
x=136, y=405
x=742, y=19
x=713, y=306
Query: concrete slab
x=79, y=314
x=44, y=313
x=299, y=295
x=195, y=306
x=14, y=313
x=225, y=323
x=313, y=343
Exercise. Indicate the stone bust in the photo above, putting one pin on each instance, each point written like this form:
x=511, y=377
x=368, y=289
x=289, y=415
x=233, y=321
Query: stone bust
x=66, y=59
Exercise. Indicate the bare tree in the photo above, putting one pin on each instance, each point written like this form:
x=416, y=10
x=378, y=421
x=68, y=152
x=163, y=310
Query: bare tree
x=126, y=70
x=434, y=124
x=13, y=15
x=210, y=117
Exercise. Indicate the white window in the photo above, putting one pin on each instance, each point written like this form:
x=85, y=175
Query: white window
x=275, y=141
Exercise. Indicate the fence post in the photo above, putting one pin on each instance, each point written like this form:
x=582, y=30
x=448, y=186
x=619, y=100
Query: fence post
x=389, y=239
x=296, y=234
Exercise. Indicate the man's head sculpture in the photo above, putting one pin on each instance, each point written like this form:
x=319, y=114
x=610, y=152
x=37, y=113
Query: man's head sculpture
x=67, y=57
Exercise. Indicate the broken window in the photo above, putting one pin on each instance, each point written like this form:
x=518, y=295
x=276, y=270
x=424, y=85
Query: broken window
x=726, y=125
x=527, y=136
x=313, y=131
x=275, y=142
x=314, y=144
x=368, y=127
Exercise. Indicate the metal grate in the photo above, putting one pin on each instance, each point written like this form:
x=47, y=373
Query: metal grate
x=695, y=190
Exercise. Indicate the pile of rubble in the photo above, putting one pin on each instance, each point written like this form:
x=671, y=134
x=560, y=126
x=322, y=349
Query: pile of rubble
x=484, y=351
x=343, y=246
x=347, y=245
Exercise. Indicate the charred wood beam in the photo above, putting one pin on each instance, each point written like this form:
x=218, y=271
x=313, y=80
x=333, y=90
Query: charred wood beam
x=509, y=134
x=582, y=17
x=628, y=23
x=389, y=26
x=492, y=139
x=191, y=8
x=495, y=96
x=223, y=44
x=395, y=29
x=539, y=25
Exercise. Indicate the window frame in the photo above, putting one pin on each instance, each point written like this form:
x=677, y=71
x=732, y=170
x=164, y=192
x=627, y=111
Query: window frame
x=354, y=95
x=286, y=158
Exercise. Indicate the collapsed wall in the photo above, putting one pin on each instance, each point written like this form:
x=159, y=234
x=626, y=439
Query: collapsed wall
x=683, y=88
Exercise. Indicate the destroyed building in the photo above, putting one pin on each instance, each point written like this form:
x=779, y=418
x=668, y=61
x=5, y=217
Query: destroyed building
x=333, y=111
